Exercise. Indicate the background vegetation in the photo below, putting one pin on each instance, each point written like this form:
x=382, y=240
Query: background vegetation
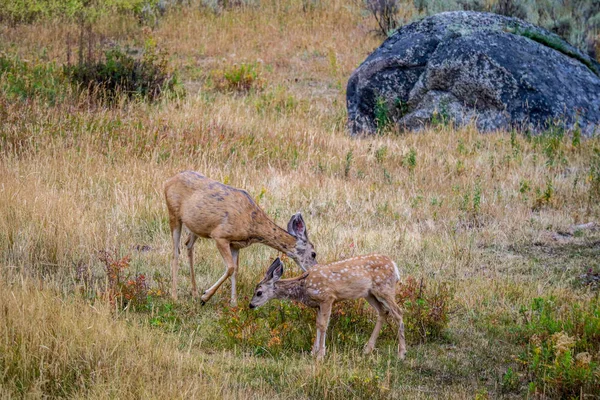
x=101, y=101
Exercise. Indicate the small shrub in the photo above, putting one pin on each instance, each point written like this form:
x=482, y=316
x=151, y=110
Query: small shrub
x=562, y=26
x=385, y=12
x=122, y=288
x=510, y=381
x=382, y=115
x=121, y=74
x=552, y=143
x=278, y=100
x=380, y=154
x=166, y=316
x=594, y=177
x=477, y=198
x=591, y=278
x=387, y=176
x=544, y=198
x=510, y=8
x=238, y=78
x=267, y=330
x=559, y=340
x=576, y=138
x=348, y=163
x=441, y=115
x=426, y=308
x=410, y=160
x=402, y=107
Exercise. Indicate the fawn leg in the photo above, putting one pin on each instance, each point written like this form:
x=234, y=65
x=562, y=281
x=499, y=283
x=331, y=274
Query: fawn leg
x=322, y=324
x=380, y=320
x=389, y=302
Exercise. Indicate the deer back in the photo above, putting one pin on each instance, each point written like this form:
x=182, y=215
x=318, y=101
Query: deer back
x=205, y=205
x=352, y=278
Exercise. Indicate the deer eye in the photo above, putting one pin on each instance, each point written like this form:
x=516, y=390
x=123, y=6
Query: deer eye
x=258, y=294
x=314, y=255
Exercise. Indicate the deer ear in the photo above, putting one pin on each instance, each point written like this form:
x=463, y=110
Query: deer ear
x=297, y=227
x=278, y=272
x=277, y=264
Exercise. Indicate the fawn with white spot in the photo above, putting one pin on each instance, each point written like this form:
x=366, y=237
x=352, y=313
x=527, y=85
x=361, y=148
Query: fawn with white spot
x=210, y=209
x=371, y=277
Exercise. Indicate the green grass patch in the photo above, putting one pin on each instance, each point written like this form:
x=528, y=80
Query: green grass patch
x=560, y=340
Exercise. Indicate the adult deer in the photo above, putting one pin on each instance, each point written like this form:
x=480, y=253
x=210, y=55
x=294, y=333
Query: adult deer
x=210, y=209
x=372, y=277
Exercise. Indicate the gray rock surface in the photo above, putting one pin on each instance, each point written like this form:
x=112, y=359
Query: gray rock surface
x=498, y=71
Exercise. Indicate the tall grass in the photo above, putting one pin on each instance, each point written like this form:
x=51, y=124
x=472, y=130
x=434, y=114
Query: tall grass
x=481, y=216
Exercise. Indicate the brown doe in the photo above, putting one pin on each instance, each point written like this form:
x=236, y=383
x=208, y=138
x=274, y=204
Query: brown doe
x=210, y=209
x=371, y=277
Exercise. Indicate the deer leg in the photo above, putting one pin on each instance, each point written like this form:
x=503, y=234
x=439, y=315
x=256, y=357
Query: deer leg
x=234, y=253
x=389, y=302
x=322, y=323
x=225, y=249
x=380, y=320
x=317, y=343
x=176, y=235
x=190, y=251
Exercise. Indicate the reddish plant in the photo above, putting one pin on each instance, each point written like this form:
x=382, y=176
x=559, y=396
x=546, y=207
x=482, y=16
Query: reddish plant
x=121, y=287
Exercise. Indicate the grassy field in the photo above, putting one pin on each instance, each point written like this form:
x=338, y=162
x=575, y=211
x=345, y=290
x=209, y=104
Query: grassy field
x=491, y=232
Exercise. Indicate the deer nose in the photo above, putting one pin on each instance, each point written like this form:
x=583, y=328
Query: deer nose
x=252, y=305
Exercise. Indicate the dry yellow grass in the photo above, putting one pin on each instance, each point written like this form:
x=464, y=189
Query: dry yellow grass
x=447, y=204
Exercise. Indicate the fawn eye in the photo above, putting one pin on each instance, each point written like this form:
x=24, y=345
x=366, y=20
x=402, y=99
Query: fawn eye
x=258, y=294
x=314, y=255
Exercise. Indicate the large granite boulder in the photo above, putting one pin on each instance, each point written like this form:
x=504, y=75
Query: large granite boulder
x=498, y=71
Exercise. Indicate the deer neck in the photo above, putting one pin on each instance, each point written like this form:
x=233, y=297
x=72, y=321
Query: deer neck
x=267, y=232
x=292, y=289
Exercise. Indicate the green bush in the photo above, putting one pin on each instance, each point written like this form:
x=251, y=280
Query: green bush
x=28, y=11
x=238, y=78
x=267, y=330
x=23, y=80
x=121, y=74
x=426, y=308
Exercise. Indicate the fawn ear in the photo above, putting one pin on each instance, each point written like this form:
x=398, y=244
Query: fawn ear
x=297, y=228
x=275, y=271
x=278, y=272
